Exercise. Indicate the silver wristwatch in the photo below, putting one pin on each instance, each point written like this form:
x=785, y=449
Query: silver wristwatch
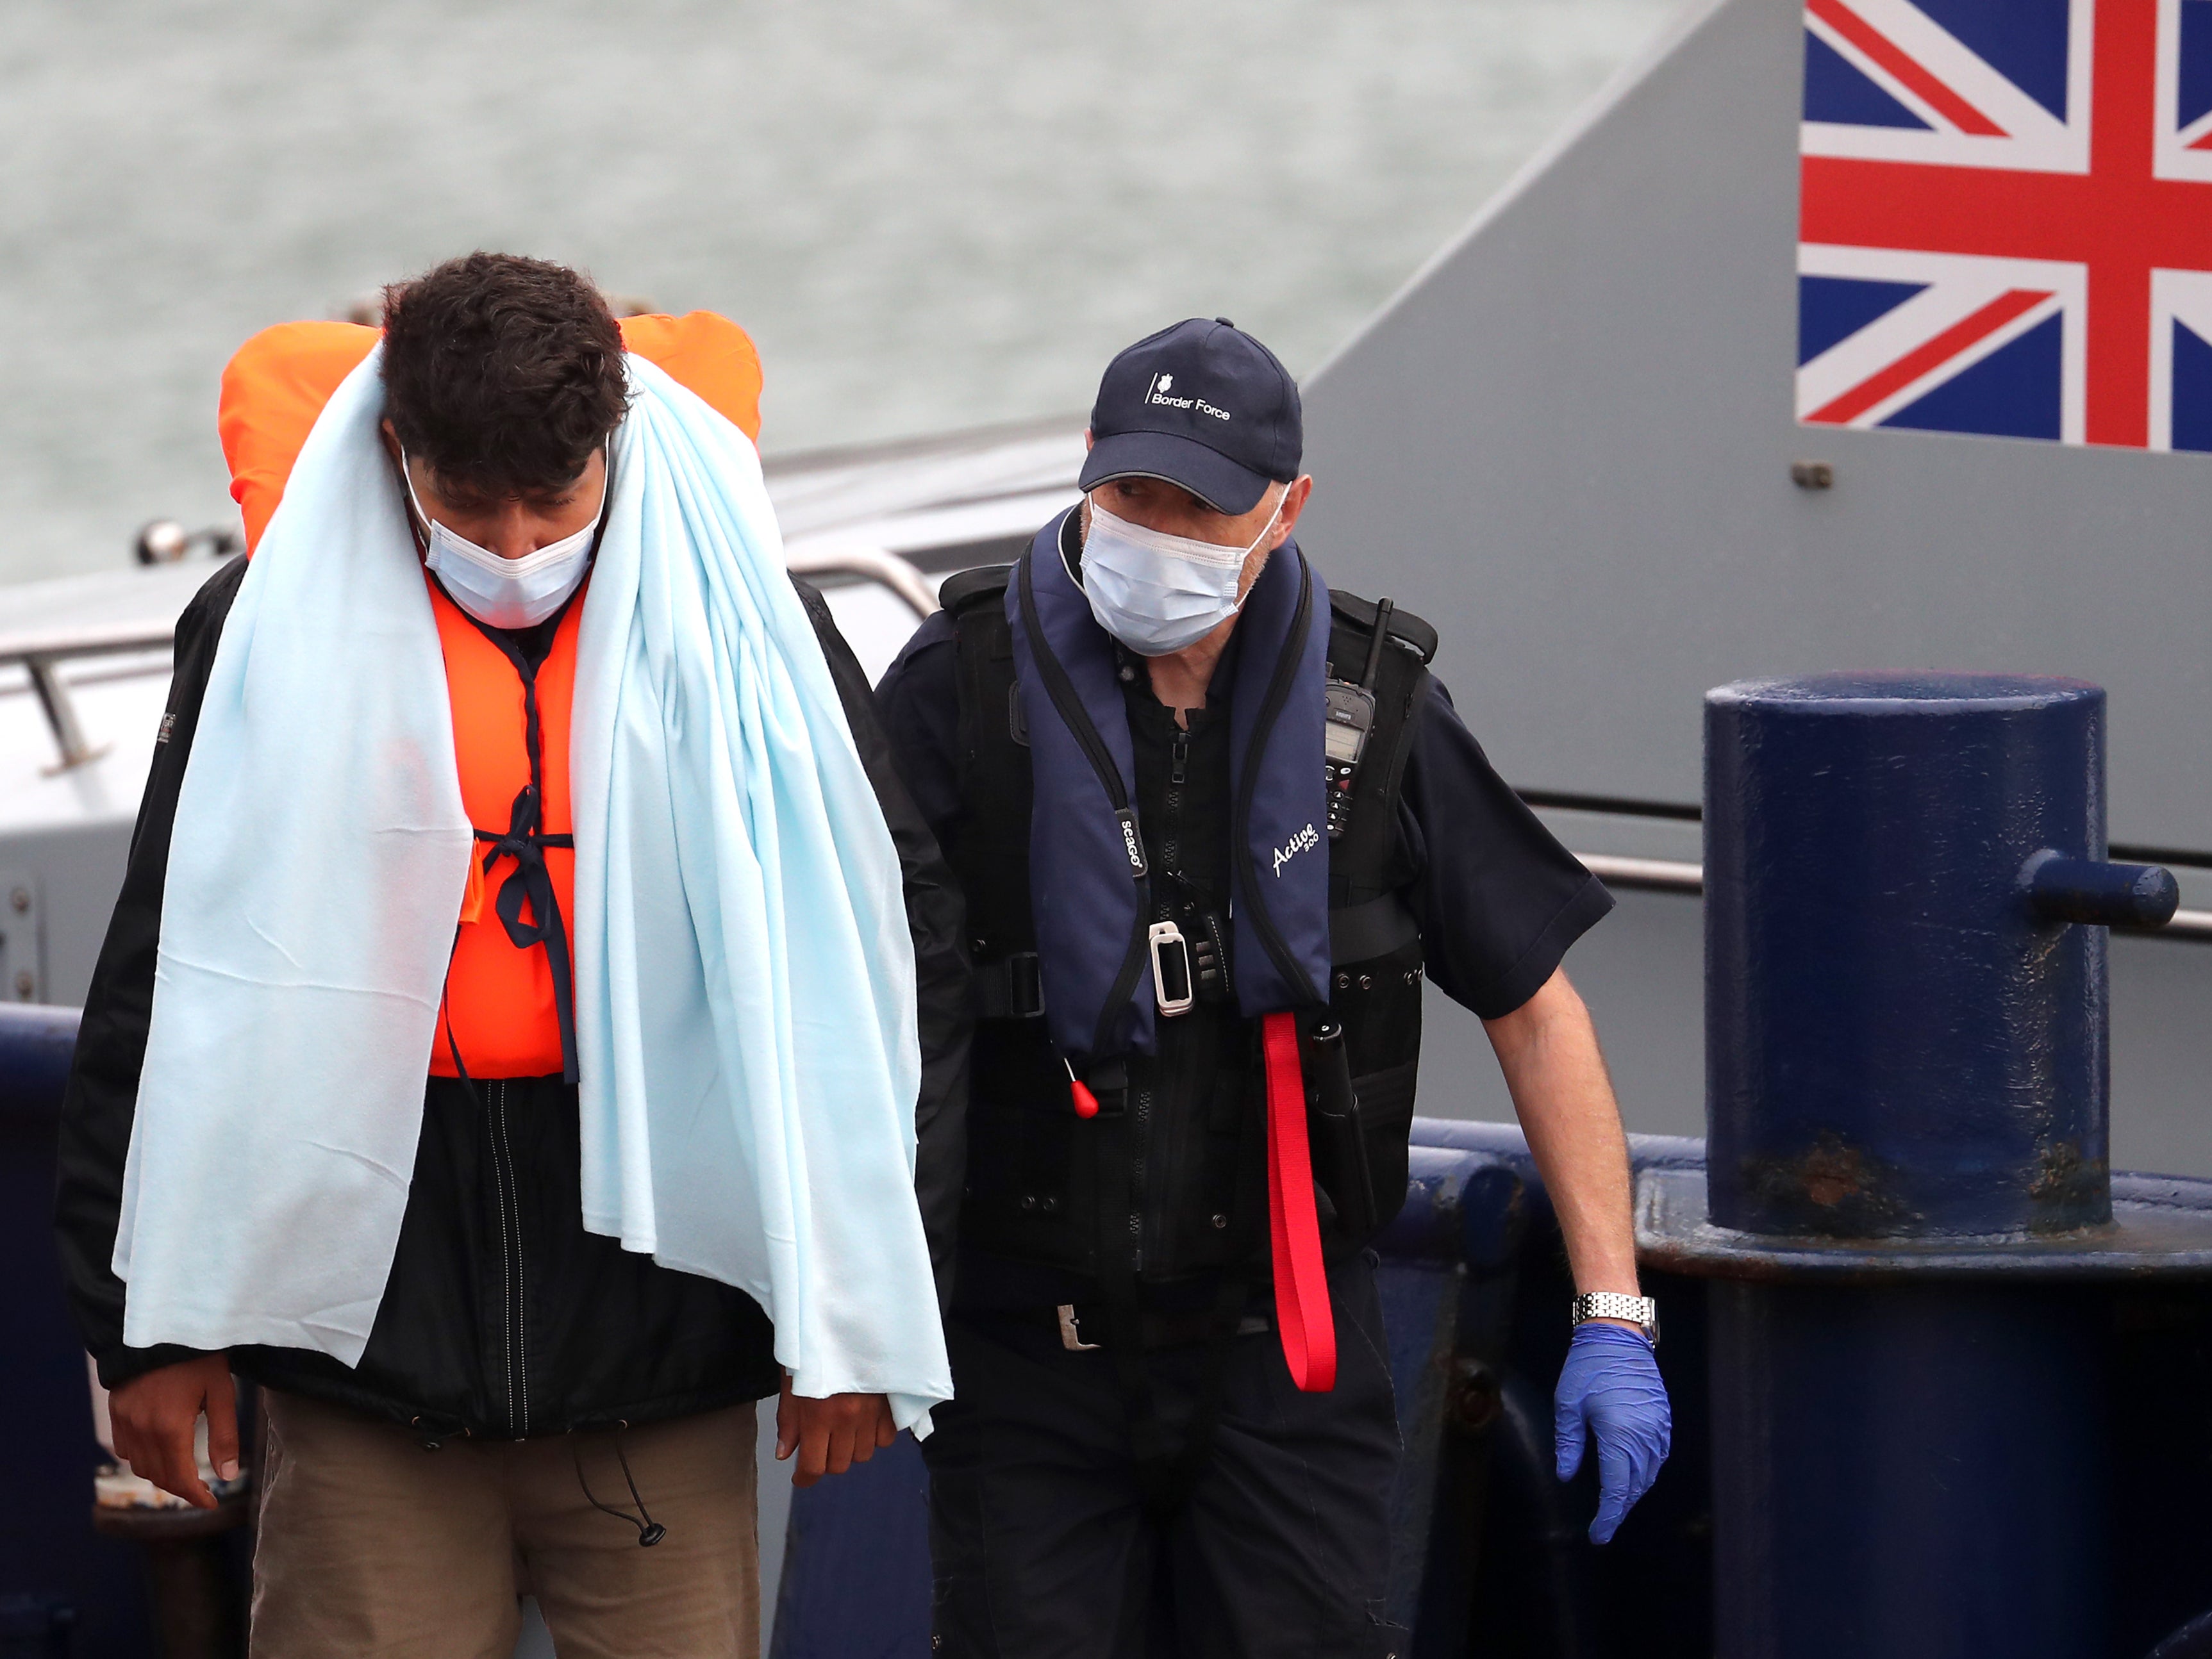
x=1612, y=1304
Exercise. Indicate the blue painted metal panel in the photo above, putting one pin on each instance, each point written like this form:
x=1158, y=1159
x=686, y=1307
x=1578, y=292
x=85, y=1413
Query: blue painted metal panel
x=1837, y=91
x=2016, y=391
x=1909, y=1470
x=2194, y=68
x=856, y=1564
x=48, y=1550
x=2193, y=374
x=2024, y=40
x=1830, y=308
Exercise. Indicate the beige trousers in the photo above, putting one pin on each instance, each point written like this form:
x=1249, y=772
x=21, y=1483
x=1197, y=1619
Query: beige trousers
x=369, y=1544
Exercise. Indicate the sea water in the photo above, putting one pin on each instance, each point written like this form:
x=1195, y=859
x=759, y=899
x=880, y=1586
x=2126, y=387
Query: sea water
x=932, y=213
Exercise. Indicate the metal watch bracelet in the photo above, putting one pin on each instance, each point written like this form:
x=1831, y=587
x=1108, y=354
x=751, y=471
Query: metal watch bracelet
x=1612, y=1304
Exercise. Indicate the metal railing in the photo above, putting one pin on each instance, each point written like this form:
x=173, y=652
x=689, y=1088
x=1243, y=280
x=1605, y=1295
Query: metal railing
x=41, y=656
x=1674, y=875
x=1685, y=812
x=41, y=659
x=886, y=570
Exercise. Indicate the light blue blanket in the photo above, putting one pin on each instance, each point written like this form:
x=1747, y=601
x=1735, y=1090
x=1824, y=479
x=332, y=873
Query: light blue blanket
x=745, y=974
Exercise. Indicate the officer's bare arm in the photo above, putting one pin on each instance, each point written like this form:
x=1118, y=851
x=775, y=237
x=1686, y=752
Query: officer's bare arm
x=1547, y=1049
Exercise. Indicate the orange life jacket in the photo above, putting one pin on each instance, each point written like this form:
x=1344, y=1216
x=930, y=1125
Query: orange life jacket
x=279, y=381
x=510, y=984
x=506, y=1001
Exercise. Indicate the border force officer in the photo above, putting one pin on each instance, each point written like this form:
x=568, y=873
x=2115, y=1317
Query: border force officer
x=1215, y=823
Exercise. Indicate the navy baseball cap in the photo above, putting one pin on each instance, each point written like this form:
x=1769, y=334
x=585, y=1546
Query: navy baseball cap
x=1203, y=405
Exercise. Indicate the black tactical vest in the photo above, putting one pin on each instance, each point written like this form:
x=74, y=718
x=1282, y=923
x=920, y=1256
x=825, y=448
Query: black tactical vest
x=1184, y=1179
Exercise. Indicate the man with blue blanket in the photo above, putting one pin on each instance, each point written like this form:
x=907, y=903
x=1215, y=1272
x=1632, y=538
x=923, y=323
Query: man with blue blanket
x=512, y=759
x=1215, y=825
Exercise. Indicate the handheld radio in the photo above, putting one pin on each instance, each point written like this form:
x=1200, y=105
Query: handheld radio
x=1351, y=719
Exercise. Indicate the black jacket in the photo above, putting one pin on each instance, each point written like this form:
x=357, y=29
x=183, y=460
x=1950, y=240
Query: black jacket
x=502, y=1317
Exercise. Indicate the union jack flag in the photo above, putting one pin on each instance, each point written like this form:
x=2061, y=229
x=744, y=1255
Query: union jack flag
x=2005, y=224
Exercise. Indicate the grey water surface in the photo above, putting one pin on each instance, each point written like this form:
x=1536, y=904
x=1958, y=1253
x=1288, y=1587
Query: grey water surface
x=932, y=213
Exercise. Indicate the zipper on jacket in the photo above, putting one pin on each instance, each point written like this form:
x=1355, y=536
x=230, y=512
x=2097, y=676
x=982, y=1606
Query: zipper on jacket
x=1140, y=1112
x=1171, y=836
x=1174, y=906
x=514, y=1328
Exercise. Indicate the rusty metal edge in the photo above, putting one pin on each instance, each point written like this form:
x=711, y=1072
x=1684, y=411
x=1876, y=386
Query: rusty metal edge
x=1675, y=1237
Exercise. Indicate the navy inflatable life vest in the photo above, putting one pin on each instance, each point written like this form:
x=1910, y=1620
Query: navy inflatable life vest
x=1032, y=1189
x=1089, y=889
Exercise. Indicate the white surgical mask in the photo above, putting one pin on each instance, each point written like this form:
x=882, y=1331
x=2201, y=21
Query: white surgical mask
x=1157, y=593
x=506, y=593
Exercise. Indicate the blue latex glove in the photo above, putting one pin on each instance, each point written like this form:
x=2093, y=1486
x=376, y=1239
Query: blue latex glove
x=1610, y=1387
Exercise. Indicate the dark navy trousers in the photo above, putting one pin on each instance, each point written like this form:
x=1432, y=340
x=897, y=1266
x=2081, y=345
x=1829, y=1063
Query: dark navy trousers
x=1041, y=1543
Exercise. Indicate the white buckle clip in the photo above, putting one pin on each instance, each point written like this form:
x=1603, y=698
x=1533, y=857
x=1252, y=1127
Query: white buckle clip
x=1170, y=966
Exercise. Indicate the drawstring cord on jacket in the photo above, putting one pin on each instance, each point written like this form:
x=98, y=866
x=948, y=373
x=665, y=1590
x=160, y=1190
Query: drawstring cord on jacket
x=649, y=1531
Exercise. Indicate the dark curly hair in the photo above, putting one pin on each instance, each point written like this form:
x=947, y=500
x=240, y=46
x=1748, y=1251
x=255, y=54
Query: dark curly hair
x=503, y=374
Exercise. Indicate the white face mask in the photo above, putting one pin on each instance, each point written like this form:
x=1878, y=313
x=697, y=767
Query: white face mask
x=1157, y=593
x=506, y=593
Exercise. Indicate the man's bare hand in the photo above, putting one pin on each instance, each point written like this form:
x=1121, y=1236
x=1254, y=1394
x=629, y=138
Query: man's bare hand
x=153, y=1418
x=829, y=1436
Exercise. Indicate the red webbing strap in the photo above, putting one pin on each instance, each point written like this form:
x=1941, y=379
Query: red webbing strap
x=1302, y=1309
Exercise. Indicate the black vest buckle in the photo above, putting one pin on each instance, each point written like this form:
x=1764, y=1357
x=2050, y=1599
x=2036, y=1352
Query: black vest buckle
x=1108, y=1083
x=1010, y=987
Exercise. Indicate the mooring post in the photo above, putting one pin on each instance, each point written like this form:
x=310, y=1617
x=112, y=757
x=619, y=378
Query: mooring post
x=1907, y=1033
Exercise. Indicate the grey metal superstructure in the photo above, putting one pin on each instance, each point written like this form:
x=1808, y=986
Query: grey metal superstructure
x=1569, y=443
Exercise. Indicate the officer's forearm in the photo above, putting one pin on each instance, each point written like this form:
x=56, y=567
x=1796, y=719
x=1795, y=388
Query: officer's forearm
x=1547, y=1049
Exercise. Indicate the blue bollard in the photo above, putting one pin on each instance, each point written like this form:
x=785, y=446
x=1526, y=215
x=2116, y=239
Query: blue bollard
x=1908, y=1101
x=1899, y=1042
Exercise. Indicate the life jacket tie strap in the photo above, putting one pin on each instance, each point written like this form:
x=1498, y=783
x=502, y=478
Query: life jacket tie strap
x=529, y=880
x=1302, y=1314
